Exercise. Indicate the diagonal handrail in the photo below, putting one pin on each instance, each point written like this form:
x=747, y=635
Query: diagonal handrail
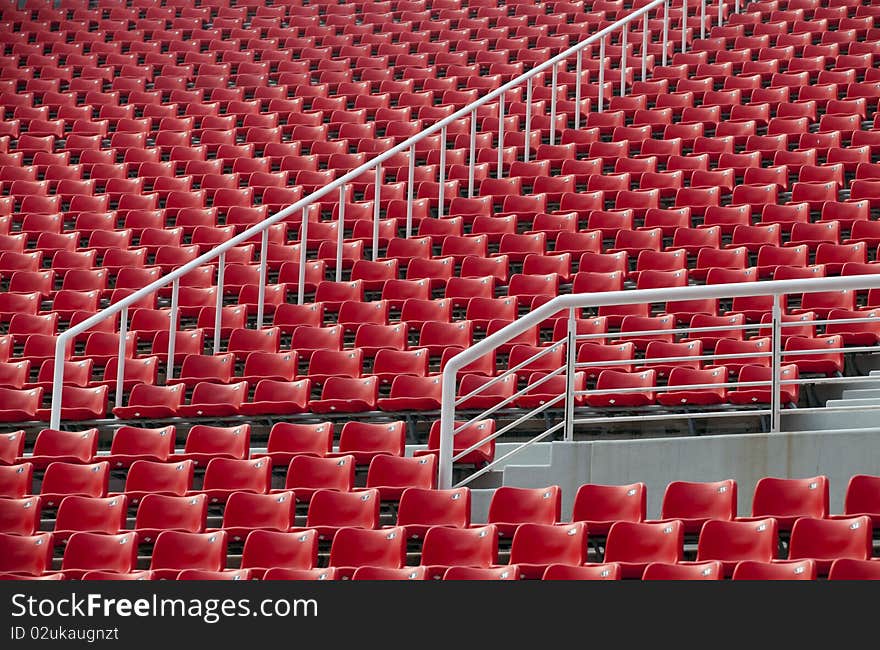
x=261, y=228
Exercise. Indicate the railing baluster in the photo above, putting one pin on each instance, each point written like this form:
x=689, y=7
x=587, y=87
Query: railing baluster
x=776, y=344
x=601, y=74
x=570, y=357
x=684, y=14
x=303, y=254
x=578, y=71
x=472, y=160
x=553, y=87
x=665, y=31
x=702, y=18
x=120, y=367
x=528, y=138
x=261, y=298
x=340, y=235
x=644, y=50
x=410, y=187
x=623, y=37
x=218, y=313
x=499, y=173
x=377, y=210
x=441, y=190
x=172, y=330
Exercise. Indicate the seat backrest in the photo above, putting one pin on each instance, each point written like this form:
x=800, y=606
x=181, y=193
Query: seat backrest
x=806, y=497
x=689, y=499
x=447, y=546
x=526, y=505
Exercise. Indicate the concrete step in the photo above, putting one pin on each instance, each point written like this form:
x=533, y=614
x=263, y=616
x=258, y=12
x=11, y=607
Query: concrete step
x=862, y=393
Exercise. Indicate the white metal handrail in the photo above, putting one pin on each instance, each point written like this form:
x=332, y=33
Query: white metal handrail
x=571, y=303
x=375, y=164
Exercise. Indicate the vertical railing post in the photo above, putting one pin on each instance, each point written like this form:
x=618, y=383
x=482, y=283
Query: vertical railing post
x=499, y=173
x=377, y=210
x=340, y=234
x=702, y=18
x=720, y=12
x=623, y=41
x=472, y=159
x=410, y=188
x=665, y=31
x=447, y=429
x=776, y=343
x=120, y=366
x=218, y=312
x=57, y=382
x=528, y=139
x=578, y=71
x=172, y=330
x=644, y=48
x=303, y=253
x=553, y=91
x=441, y=189
x=601, y=74
x=570, y=356
x=684, y=15
x=261, y=296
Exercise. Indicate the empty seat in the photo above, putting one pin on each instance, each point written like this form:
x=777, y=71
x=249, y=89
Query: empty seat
x=266, y=550
x=446, y=546
x=86, y=514
x=226, y=476
x=290, y=439
x=20, y=516
x=246, y=512
x=536, y=546
x=825, y=540
x=710, y=570
x=94, y=551
x=635, y=545
x=63, y=479
x=175, y=551
x=356, y=547
x=307, y=474
x=511, y=506
x=421, y=509
x=331, y=510
x=25, y=555
x=731, y=542
x=780, y=570
x=694, y=503
x=609, y=571
x=599, y=506
x=788, y=499
x=158, y=512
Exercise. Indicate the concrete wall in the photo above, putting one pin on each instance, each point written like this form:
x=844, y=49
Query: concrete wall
x=657, y=461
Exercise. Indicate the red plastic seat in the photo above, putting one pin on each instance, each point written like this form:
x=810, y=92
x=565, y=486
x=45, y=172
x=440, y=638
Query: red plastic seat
x=421, y=509
x=356, y=547
x=612, y=381
x=709, y=570
x=25, y=555
x=267, y=551
x=635, y=545
x=788, y=499
x=308, y=474
x=695, y=503
x=537, y=546
x=749, y=373
x=290, y=439
x=175, y=551
x=158, y=512
x=63, y=446
x=64, y=479
x=829, y=364
x=850, y=569
x=148, y=477
x=332, y=510
x=20, y=516
x=86, y=551
x=226, y=476
x=680, y=379
x=391, y=475
x=825, y=540
x=446, y=546
x=779, y=570
x=204, y=442
x=512, y=506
